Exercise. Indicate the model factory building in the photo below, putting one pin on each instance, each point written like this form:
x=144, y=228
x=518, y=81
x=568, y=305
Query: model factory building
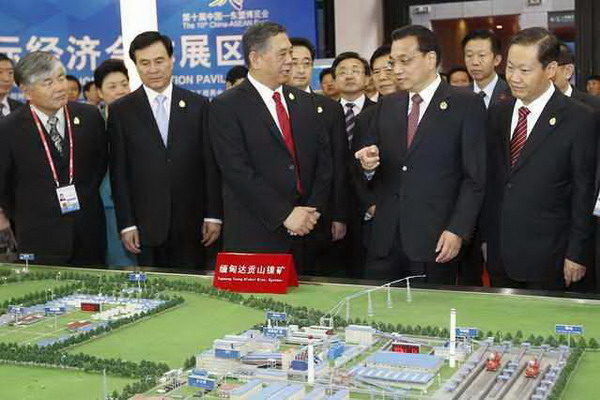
x=360, y=334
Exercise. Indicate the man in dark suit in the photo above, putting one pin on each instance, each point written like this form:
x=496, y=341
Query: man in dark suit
x=351, y=72
x=273, y=151
x=562, y=80
x=483, y=54
x=7, y=81
x=383, y=78
x=538, y=215
x=424, y=152
x=325, y=256
x=52, y=159
x=166, y=187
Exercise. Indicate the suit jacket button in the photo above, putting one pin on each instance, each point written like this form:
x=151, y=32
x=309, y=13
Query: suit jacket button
x=168, y=160
x=291, y=167
x=509, y=185
x=404, y=168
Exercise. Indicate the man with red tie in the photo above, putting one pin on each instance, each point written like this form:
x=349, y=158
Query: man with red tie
x=537, y=219
x=424, y=152
x=273, y=152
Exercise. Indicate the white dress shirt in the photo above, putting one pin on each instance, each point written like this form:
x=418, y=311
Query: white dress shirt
x=535, y=107
x=426, y=94
x=488, y=90
x=266, y=94
x=60, y=126
x=6, y=107
x=359, y=103
x=569, y=91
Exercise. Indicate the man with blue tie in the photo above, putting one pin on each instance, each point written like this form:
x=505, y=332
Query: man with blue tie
x=166, y=186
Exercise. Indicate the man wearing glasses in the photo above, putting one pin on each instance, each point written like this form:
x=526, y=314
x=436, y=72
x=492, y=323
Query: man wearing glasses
x=424, y=153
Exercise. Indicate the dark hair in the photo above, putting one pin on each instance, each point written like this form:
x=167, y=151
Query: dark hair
x=548, y=45
x=325, y=72
x=565, y=56
x=381, y=51
x=304, y=42
x=108, y=67
x=593, y=78
x=484, y=34
x=457, y=68
x=4, y=57
x=257, y=36
x=236, y=73
x=73, y=78
x=148, y=38
x=425, y=38
x=350, y=55
x=87, y=87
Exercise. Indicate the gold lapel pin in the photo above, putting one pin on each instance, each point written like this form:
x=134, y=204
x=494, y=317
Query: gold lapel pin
x=443, y=105
x=291, y=96
x=319, y=109
x=552, y=121
x=181, y=104
x=76, y=121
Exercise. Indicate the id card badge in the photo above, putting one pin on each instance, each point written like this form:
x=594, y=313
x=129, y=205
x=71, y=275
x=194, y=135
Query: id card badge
x=67, y=199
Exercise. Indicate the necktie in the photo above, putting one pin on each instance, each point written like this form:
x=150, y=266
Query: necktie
x=519, y=136
x=162, y=119
x=54, y=135
x=286, y=131
x=350, y=122
x=482, y=95
x=413, y=119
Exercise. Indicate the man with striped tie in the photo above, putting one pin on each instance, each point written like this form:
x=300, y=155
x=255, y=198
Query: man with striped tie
x=537, y=218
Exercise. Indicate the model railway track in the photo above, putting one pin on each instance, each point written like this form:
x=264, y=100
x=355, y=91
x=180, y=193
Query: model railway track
x=525, y=387
x=503, y=383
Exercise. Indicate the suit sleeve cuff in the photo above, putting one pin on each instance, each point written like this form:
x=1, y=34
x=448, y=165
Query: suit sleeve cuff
x=129, y=229
x=213, y=220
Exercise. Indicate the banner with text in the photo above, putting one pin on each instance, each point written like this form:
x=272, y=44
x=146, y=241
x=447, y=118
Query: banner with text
x=207, y=34
x=81, y=33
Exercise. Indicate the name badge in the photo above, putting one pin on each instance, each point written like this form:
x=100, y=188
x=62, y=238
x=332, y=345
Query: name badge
x=67, y=199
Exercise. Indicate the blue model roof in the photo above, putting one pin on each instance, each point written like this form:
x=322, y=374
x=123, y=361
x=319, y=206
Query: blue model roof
x=392, y=375
x=340, y=394
x=288, y=392
x=317, y=393
x=246, y=387
x=360, y=328
x=269, y=391
x=405, y=360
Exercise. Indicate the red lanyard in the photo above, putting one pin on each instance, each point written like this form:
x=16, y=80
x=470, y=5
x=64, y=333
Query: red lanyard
x=38, y=124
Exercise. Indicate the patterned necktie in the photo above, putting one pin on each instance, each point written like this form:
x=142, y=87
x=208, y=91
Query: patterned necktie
x=350, y=122
x=519, y=136
x=162, y=119
x=288, y=139
x=413, y=119
x=54, y=135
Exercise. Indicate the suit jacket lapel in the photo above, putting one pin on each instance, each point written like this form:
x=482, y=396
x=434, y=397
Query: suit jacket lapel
x=400, y=121
x=146, y=115
x=259, y=108
x=505, y=121
x=434, y=109
x=295, y=116
x=548, y=120
x=176, y=115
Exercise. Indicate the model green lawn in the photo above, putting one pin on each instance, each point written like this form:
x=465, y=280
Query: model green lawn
x=177, y=334
x=583, y=383
x=44, y=329
x=20, y=289
x=34, y=383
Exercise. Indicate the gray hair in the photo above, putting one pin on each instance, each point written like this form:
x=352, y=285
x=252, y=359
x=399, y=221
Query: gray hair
x=36, y=66
x=257, y=37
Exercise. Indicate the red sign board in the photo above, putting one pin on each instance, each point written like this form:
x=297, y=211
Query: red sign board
x=255, y=273
x=90, y=307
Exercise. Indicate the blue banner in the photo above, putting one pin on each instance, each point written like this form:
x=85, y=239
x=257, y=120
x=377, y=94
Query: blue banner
x=82, y=33
x=207, y=34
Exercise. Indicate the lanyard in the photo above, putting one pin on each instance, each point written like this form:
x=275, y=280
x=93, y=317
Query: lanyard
x=38, y=124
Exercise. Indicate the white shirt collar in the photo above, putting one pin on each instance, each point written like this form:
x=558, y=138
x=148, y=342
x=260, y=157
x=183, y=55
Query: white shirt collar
x=152, y=94
x=427, y=93
x=489, y=89
x=308, y=89
x=265, y=92
x=537, y=106
x=375, y=97
x=60, y=114
x=6, y=109
x=359, y=103
x=569, y=91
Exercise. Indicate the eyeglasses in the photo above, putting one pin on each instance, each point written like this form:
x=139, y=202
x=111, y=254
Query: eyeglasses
x=404, y=61
x=347, y=72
